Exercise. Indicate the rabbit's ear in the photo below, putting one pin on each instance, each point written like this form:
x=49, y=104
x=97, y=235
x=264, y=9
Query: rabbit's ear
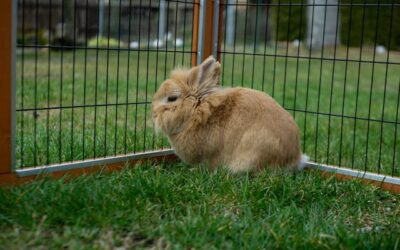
x=206, y=75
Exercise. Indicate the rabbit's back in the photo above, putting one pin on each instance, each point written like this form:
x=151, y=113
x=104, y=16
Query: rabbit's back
x=261, y=133
x=242, y=129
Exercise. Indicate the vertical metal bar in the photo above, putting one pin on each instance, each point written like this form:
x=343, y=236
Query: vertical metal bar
x=230, y=22
x=200, y=41
x=13, y=84
x=358, y=84
x=220, y=29
x=344, y=98
x=175, y=32
x=224, y=49
x=96, y=81
x=372, y=87
x=156, y=67
x=385, y=85
x=255, y=47
x=48, y=87
x=204, y=33
x=195, y=32
x=117, y=88
x=63, y=43
x=7, y=86
x=23, y=88
x=35, y=81
x=312, y=6
x=287, y=53
x=276, y=49
x=85, y=80
x=161, y=23
x=215, y=29
x=296, y=83
x=101, y=17
x=137, y=80
x=265, y=48
x=165, y=62
x=107, y=83
x=320, y=82
x=184, y=34
x=332, y=81
x=127, y=78
x=234, y=43
x=73, y=84
x=395, y=130
x=147, y=76
x=244, y=43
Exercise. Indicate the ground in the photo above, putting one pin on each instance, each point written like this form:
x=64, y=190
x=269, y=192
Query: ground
x=181, y=207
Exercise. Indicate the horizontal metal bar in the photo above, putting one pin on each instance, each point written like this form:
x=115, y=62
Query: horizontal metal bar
x=314, y=4
x=354, y=173
x=148, y=103
x=335, y=59
x=82, y=106
x=58, y=3
x=342, y=116
x=91, y=163
x=123, y=158
x=101, y=48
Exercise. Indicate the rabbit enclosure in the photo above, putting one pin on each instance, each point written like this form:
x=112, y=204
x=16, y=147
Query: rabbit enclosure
x=86, y=71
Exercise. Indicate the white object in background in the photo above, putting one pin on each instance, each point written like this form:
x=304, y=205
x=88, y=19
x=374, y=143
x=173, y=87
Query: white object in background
x=157, y=43
x=380, y=49
x=230, y=22
x=169, y=36
x=134, y=45
x=162, y=21
x=296, y=43
x=179, y=42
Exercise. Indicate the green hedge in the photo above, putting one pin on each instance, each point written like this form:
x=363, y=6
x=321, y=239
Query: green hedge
x=376, y=24
x=351, y=17
x=287, y=27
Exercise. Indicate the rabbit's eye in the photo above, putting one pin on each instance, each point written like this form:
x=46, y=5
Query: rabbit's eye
x=172, y=98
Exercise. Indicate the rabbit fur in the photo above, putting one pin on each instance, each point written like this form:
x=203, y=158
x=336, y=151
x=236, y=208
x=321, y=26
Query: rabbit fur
x=239, y=128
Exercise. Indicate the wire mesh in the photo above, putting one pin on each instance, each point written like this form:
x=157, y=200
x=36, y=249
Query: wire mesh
x=86, y=72
x=335, y=66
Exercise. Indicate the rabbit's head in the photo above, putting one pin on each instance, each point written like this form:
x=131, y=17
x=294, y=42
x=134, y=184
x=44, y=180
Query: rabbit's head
x=176, y=100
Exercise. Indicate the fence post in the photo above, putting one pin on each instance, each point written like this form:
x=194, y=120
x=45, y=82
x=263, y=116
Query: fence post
x=206, y=37
x=7, y=86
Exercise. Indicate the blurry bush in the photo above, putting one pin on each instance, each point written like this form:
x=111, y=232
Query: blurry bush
x=105, y=42
x=29, y=38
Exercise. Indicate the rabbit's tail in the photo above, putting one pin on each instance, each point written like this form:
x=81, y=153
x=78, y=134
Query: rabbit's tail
x=303, y=162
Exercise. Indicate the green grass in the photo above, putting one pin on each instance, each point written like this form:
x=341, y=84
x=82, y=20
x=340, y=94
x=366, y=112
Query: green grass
x=182, y=207
x=340, y=90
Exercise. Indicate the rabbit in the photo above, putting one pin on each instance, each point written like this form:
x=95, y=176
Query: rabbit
x=239, y=128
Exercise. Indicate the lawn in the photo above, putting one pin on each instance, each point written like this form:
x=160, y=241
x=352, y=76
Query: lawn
x=347, y=110
x=181, y=207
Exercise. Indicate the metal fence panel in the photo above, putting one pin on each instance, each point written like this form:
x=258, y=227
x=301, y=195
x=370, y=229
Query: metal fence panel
x=334, y=65
x=86, y=72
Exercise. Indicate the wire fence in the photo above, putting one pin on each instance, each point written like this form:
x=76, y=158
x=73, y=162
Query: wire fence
x=84, y=86
x=86, y=72
x=334, y=65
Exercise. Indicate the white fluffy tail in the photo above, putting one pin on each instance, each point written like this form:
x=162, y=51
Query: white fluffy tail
x=303, y=162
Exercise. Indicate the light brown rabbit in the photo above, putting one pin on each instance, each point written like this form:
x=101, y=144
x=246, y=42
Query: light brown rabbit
x=240, y=128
